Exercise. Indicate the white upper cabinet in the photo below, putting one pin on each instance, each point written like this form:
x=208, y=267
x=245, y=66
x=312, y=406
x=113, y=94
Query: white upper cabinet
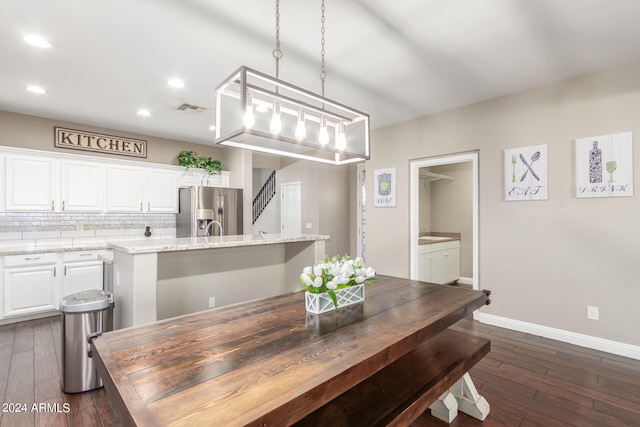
x=31, y=183
x=125, y=188
x=162, y=190
x=82, y=186
x=38, y=181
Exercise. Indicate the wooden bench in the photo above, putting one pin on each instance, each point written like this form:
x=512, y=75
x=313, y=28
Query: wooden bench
x=402, y=391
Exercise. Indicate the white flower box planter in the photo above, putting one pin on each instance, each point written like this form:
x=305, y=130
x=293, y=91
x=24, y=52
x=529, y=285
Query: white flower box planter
x=322, y=303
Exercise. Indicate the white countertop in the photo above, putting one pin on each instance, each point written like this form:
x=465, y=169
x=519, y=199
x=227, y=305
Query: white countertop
x=32, y=249
x=195, y=243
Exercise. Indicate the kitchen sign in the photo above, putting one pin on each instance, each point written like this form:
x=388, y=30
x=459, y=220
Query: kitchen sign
x=604, y=166
x=89, y=141
x=525, y=173
x=384, y=194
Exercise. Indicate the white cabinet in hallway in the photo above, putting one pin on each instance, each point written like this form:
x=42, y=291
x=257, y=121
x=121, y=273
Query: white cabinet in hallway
x=30, y=284
x=439, y=262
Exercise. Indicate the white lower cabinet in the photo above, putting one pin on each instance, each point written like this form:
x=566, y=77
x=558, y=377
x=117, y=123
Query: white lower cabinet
x=33, y=284
x=30, y=284
x=82, y=271
x=439, y=262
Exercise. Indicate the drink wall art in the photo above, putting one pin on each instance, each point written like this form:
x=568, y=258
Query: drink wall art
x=604, y=166
x=525, y=173
x=384, y=191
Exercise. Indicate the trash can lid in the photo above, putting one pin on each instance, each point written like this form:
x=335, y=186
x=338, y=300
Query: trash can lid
x=80, y=302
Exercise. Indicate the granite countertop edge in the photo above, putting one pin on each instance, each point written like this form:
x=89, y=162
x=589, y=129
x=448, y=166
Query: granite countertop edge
x=53, y=248
x=196, y=243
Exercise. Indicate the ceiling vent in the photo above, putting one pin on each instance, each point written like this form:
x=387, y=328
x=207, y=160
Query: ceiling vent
x=191, y=108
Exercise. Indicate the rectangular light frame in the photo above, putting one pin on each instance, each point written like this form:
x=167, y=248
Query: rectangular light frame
x=231, y=106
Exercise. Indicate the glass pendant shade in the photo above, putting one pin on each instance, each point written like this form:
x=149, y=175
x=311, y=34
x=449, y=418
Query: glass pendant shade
x=301, y=128
x=296, y=115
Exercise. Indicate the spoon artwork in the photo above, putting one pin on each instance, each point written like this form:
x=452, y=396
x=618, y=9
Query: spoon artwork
x=535, y=157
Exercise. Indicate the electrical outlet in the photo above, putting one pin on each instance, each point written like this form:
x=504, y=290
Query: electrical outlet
x=212, y=302
x=593, y=313
x=308, y=226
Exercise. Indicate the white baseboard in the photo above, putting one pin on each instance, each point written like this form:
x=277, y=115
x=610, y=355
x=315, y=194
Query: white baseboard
x=465, y=281
x=588, y=341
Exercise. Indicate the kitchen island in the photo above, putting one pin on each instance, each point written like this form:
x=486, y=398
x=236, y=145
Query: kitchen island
x=268, y=363
x=158, y=279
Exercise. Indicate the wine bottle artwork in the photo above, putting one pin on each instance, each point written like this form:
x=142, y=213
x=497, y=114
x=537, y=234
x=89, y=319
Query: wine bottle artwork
x=611, y=168
x=595, y=164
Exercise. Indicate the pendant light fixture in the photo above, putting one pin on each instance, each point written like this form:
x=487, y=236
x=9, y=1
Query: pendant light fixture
x=258, y=112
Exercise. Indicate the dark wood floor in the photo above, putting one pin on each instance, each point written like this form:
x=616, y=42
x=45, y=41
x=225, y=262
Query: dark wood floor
x=527, y=380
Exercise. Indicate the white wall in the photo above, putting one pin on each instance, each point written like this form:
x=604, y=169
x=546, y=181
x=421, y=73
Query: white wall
x=545, y=261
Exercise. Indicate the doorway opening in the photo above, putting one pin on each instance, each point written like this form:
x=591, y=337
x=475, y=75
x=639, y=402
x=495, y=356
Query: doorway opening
x=415, y=167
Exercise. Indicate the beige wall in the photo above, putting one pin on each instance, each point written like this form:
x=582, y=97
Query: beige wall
x=326, y=203
x=19, y=130
x=545, y=261
x=451, y=209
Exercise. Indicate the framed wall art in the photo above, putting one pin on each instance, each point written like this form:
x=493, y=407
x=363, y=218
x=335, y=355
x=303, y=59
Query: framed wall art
x=604, y=166
x=384, y=192
x=525, y=173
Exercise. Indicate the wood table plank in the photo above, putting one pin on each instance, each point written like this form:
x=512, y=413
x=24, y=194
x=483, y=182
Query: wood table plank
x=268, y=362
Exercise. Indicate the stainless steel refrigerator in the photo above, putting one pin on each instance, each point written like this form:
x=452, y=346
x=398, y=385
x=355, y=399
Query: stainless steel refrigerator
x=209, y=211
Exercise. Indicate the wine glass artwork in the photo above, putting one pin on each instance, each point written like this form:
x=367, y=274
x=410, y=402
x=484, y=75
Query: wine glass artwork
x=611, y=167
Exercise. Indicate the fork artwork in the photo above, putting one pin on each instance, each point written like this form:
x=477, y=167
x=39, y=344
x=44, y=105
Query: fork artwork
x=535, y=157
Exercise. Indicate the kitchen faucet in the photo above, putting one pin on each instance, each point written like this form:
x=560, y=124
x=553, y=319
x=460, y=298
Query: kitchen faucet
x=206, y=232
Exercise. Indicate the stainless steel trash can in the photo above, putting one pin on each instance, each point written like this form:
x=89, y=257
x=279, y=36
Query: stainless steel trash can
x=85, y=315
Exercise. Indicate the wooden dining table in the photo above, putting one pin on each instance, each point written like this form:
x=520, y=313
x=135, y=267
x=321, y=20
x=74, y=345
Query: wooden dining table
x=267, y=362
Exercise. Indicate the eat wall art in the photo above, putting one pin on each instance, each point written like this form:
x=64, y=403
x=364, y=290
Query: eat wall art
x=604, y=166
x=525, y=173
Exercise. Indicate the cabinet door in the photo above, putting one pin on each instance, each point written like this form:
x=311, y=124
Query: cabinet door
x=124, y=188
x=30, y=183
x=82, y=186
x=82, y=276
x=453, y=264
x=438, y=267
x=424, y=265
x=162, y=191
x=31, y=289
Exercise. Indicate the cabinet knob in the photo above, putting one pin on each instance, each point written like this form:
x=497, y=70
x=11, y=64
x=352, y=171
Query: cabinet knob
x=53, y=206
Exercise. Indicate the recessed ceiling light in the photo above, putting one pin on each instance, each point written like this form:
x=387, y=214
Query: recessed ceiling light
x=36, y=89
x=144, y=113
x=36, y=40
x=176, y=83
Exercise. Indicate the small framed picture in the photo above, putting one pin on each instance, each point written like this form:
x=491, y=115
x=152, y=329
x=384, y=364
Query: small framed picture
x=525, y=173
x=384, y=194
x=604, y=166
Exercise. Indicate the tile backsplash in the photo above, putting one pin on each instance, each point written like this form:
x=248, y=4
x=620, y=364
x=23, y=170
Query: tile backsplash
x=35, y=229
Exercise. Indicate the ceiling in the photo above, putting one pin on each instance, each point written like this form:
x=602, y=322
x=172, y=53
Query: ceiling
x=395, y=60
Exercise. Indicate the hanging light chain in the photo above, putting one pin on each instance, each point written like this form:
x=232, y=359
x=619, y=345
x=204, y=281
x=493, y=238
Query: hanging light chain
x=323, y=72
x=277, y=52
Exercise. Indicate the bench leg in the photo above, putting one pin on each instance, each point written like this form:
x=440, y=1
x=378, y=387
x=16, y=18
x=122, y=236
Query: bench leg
x=445, y=408
x=469, y=401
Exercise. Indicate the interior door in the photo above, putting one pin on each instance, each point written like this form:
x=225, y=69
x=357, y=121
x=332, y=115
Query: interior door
x=291, y=208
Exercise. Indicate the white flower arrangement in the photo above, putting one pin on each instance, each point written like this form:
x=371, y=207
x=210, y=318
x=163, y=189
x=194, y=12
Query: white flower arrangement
x=335, y=273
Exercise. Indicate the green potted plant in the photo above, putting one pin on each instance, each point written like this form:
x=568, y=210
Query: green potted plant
x=191, y=159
